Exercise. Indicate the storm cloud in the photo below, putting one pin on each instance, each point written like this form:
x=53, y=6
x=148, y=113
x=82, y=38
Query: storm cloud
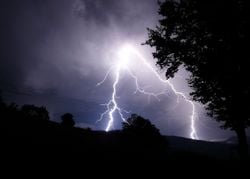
x=54, y=52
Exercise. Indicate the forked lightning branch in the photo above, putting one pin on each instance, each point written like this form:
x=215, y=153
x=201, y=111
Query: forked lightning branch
x=112, y=106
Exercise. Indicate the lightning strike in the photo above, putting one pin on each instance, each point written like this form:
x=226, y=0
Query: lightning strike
x=112, y=105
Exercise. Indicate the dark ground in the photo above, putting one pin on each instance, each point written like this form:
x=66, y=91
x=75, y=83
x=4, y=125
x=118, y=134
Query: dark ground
x=35, y=142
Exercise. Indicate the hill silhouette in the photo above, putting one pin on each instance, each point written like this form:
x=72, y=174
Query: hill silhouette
x=29, y=137
x=26, y=133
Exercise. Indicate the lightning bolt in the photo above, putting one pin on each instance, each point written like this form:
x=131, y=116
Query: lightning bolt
x=112, y=105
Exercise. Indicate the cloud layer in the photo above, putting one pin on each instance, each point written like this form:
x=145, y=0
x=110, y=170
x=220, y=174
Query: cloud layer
x=53, y=53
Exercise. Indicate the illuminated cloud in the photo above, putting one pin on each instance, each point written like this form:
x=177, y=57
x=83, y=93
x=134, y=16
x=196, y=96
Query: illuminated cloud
x=54, y=53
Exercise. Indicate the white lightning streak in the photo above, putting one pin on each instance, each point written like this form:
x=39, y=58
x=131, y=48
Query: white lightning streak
x=105, y=77
x=143, y=91
x=112, y=106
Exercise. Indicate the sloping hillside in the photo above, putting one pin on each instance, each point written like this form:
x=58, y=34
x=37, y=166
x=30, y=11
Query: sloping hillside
x=218, y=150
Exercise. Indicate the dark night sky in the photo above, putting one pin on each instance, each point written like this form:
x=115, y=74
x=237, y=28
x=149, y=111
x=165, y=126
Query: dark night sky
x=54, y=52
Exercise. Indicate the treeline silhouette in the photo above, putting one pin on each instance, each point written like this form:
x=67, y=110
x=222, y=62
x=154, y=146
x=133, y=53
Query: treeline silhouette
x=28, y=134
x=28, y=131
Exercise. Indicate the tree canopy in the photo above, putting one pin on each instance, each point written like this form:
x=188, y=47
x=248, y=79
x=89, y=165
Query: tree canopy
x=34, y=112
x=139, y=125
x=67, y=120
x=210, y=39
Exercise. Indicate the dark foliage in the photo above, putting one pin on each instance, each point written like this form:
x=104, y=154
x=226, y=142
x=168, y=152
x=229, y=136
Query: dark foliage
x=142, y=136
x=210, y=39
x=33, y=112
x=67, y=120
x=27, y=131
x=140, y=126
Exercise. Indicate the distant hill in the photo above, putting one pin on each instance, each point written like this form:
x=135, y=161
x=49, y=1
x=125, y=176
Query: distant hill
x=219, y=150
x=234, y=140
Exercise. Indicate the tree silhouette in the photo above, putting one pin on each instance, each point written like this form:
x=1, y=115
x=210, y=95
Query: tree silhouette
x=210, y=39
x=34, y=112
x=139, y=125
x=143, y=138
x=67, y=120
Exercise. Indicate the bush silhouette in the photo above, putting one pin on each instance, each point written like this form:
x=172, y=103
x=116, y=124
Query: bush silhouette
x=67, y=120
x=34, y=112
x=143, y=139
x=139, y=125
